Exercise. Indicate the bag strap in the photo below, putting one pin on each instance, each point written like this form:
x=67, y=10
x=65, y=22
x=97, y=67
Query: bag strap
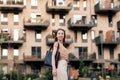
x=58, y=47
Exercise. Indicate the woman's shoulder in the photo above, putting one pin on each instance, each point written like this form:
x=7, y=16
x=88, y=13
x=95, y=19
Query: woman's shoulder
x=55, y=44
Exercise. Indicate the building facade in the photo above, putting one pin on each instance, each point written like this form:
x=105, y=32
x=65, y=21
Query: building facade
x=28, y=27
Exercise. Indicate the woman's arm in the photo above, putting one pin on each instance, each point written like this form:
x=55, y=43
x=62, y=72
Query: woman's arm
x=53, y=54
x=54, y=70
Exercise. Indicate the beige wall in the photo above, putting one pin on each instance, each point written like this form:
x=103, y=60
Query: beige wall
x=30, y=34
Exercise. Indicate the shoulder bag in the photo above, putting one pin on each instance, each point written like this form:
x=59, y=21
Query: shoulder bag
x=48, y=57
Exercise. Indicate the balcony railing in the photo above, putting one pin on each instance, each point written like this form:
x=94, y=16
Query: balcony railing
x=11, y=6
x=37, y=23
x=84, y=56
x=64, y=9
x=79, y=25
x=106, y=43
x=7, y=39
x=101, y=8
x=50, y=40
x=31, y=58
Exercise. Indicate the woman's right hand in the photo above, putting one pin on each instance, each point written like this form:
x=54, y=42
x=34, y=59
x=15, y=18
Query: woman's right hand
x=54, y=72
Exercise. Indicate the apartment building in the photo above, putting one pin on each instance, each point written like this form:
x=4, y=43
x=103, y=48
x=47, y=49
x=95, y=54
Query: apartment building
x=28, y=27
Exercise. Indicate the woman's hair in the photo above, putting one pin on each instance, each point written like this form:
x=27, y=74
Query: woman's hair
x=64, y=35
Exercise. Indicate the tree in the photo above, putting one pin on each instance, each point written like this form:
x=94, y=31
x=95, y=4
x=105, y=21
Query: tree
x=83, y=70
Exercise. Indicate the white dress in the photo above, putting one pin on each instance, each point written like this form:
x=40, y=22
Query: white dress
x=61, y=71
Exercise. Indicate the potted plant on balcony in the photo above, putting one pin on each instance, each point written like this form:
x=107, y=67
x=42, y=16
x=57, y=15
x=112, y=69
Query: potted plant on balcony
x=50, y=36
x=2, y=40
x=68, y=36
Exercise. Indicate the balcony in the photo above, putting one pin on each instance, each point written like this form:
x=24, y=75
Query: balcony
x=87, y=59
x=50, y=39
x=84, y=57
x=36, y=24
x=32, y=58
x=79, y=25
x=11, y=6
x=6, y=39
x=62, y=8
x=106, y=9
x=106, y=43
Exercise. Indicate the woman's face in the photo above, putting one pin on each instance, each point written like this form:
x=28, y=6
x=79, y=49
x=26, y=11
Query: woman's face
x=60, y=35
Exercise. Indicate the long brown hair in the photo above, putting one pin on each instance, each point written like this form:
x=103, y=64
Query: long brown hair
x=64, y=35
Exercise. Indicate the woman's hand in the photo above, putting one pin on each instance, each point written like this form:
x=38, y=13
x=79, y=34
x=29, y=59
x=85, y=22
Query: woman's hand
x=54, y=72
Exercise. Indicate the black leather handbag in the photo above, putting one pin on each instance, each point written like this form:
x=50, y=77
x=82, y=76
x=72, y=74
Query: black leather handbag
x=48, y=57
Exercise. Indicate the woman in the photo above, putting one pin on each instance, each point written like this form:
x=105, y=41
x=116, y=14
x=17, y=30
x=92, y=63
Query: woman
x=60, y=73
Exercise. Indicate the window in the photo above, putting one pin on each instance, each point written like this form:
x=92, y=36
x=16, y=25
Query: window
x=24, y=35
x=16, y=34
x=4, y=1
x=62, y=20
x=82, y=52
x=53, y=19
x=77, y=18
x=112, y=3
x=110, y=20
x=53, y=2
x=83, y=21
x=24, y=2
x=100, y=51
x=101, y=34
x=92, y=35
x=75, y=36
x=76, y=5
x=36, y=51
x=16, y=19
x=77, y=51
x=33, y=17
x=85, y=4
x=111, y=53
x=4, y=17
x=100, y=48
x=84, y=36
x=38, y=35
x=4, y=52
x=16, y=52
x=34, y=4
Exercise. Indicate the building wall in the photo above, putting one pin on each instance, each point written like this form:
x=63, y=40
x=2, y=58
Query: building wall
x=25, y=48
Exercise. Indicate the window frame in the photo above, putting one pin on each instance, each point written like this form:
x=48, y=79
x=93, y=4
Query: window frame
x=84, y=34
x=36, y=51
x=38, y=34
